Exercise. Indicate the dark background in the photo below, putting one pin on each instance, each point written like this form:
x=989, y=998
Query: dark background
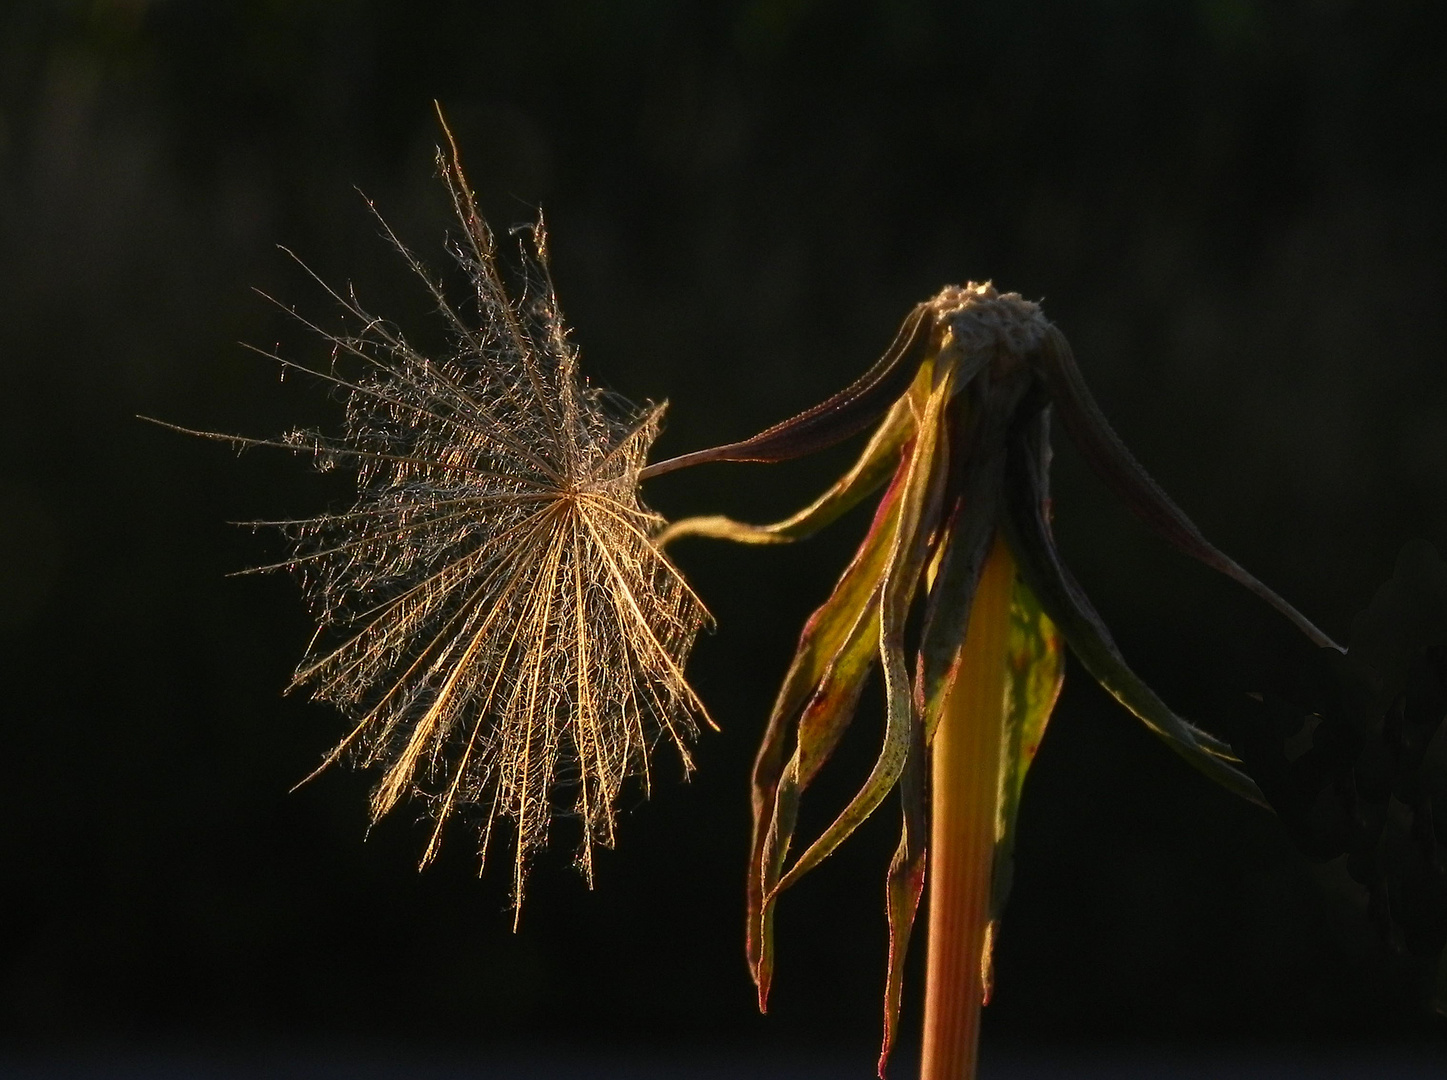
x=1234, y=209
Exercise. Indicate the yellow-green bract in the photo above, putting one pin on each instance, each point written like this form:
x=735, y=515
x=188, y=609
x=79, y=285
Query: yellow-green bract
x=962, y=405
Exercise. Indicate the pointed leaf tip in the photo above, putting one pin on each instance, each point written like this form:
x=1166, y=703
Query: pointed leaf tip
x=1072, y=612
x=918, y=515
x=905, y=881
x=846, y=413
x=1113, y=462
x=868, y=473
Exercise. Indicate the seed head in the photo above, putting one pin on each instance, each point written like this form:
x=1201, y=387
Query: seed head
x=491, y=611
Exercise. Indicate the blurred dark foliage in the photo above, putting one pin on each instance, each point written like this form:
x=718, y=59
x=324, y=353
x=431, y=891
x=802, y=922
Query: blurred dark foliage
x=1354, y=757
x=1236, y=210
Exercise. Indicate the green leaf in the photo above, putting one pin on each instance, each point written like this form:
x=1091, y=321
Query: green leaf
x=832, y=659
x=1114, y=463
x=923, y=489
x=1028, y=534
x=905, y=881
x=849, y=615
x=1036, y=659
x=973, y=500
x=821, y=725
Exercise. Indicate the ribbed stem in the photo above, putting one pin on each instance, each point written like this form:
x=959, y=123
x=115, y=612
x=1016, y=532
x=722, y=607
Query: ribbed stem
x=965, y=794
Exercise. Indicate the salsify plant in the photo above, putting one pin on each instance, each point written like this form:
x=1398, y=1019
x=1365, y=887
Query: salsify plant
x=496, y=614
x=962, y=403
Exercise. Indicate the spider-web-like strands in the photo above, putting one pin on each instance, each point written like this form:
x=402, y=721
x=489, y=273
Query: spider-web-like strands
x=493, y=613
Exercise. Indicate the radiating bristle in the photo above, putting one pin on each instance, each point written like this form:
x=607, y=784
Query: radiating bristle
x=493, y=612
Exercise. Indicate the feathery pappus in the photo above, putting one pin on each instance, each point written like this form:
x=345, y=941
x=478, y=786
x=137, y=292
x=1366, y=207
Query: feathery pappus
x=492, y=611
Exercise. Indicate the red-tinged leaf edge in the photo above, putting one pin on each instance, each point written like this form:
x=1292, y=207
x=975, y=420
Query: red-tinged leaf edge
x=905, y=882
x=981, y=420
x=1113, y=462
x=846, y=413
x=821, y=725
x=1065, y=602
x=1036, y=661
x=873, y=467
x=918, y=516
x=825, y=634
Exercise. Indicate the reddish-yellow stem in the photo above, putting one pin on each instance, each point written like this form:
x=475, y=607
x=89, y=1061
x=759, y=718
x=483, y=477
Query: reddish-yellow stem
x=965, y=797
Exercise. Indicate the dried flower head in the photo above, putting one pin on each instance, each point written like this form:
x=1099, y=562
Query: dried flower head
x=962, y=404
x=492, y=611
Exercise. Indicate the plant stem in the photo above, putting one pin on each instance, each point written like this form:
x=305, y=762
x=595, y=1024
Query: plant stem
x=965, y=794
